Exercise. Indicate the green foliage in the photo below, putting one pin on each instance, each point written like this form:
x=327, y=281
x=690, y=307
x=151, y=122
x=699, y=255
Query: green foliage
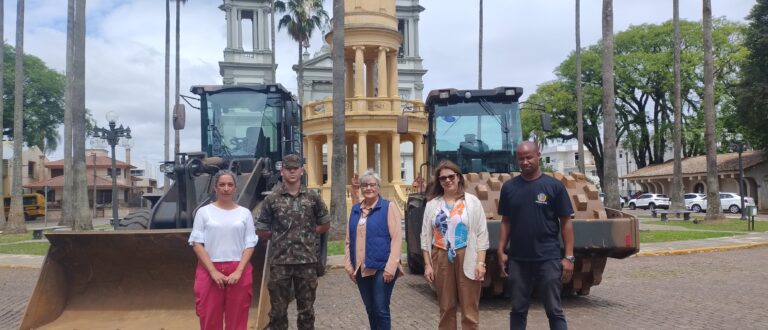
x=43, y=100
x=752, y=93
x=33, y=248
x=302, y=17
x=727, y=225
x=644, y=91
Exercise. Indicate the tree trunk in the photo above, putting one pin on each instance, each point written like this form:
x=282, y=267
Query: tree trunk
x=480, y=50
x=16, y=222
x=579, y=102
x=177, y=94
x=68, y=197
x=677, y=175
x=300, y=77
x=610, y=181
x=3, y=170
x=80, y=212
x=274, y=62
x=339, y=162
x=167, y=150
x=713, y=185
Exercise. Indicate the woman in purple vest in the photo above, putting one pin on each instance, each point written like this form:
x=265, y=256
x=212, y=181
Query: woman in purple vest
x=372, y=250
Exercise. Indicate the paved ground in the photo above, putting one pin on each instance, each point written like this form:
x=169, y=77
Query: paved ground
x=717, y=290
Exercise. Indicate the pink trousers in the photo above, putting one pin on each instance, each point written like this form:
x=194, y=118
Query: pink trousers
x=229, y=305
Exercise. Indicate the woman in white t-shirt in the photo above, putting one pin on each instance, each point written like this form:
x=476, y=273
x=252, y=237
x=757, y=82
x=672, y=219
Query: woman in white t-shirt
x=223, y=238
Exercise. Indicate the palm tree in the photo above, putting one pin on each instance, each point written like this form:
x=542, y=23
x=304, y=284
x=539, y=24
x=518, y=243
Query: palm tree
x=2, y=129
x=677, y=175
x=177, y=94
x=339, y=165
x=16, y=218
x=69, y=189
x=610, y=176
x=272, y=38
x=166, y=144
x=713, y=187
x=302, y=18
x=80, y=212
x=579, y=103
x=480, y=50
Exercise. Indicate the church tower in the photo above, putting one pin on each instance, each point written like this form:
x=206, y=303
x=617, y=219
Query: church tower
x=248, y=56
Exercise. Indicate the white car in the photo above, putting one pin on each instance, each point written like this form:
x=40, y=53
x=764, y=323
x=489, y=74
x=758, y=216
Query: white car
x=649, y=201
x=730, y=202
x=621, y=200
x=693, y=201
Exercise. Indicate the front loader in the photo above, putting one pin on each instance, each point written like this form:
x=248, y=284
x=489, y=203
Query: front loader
x=141, y=277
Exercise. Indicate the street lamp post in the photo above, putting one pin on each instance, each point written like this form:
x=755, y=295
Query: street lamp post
x=737, y=144
x=112, y=135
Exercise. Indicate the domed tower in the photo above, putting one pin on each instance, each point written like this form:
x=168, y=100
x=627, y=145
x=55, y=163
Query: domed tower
x=372, y=105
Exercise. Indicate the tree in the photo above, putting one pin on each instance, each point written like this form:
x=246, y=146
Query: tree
x=16, y=222
x=301, y=19
x=579, y=101
x=167, y=150
x=2, y=109
x=339, y=162
x=177, y=95
x=80, y=212
x=677, y=175
x=610, y=183
x=752, y=91
x=480, y=49
x=69, y=188
x=713, y=186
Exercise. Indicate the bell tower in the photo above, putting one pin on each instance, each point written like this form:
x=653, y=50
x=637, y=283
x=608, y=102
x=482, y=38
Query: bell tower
x=248, y=55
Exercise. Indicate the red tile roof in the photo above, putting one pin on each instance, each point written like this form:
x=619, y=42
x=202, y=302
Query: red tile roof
x=101, y=161
x=58, y=182
x=726, y=163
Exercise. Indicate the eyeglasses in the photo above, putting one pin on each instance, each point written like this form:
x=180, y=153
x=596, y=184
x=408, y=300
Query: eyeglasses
x=368, y=185
x=450, y=177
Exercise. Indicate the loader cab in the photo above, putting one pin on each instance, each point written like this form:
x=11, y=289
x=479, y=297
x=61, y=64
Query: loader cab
x=249, y=121
x=476, y=129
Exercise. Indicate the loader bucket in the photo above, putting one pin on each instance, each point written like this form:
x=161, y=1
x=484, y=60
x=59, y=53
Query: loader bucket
x=126, y=280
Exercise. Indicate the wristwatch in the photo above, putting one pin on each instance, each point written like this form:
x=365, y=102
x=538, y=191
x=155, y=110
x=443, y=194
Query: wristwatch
x=572, y=259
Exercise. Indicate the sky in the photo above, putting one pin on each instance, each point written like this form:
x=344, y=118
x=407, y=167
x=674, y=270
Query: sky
x=524, y=41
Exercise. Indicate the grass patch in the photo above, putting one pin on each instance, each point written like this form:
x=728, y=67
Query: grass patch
x=336, y=248
x=10, y=238
x=34, y=248
x=677, y=235
x=727, y=225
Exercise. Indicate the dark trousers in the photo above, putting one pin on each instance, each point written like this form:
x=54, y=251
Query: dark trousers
x=301, y=280
x=542, y=276
x=376, y=295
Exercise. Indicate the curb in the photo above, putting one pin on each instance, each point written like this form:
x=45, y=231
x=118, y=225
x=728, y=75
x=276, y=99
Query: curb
x=700, y=250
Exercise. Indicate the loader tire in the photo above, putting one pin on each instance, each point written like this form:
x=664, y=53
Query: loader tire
x=135, y=221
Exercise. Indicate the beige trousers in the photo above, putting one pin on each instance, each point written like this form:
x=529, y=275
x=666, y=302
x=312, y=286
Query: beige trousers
x=453, y=286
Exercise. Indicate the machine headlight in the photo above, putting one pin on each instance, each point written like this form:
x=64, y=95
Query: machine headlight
x=510, y=92
x=444, y=94
x=279, y=165
x=167, y=168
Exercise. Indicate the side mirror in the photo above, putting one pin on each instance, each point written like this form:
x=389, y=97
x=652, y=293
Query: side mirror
x=179, y=117
x=546, y=122
x=402, y=124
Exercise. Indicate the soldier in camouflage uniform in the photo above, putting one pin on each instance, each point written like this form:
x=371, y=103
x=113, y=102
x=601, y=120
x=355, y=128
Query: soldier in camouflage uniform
x=291, y=218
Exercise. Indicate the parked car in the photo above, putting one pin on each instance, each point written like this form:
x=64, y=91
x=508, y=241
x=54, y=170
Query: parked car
x=621, y=200
x=693, y=201
x=730, y=202
x=649, y=201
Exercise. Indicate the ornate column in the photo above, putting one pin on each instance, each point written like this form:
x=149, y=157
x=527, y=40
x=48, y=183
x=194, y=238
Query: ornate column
x=230, y=25
x=255, y=30
x=362, y=152
x=311, y=151
x=384, y=160
x=383, y=72
x=393, y=78
x=416, y=37
x=350, y=161
x=348, y=81
x=329, y=144
x=359, y=65
x=369, y=78
x=395, y=154
x=239, y=30
x=418, y=153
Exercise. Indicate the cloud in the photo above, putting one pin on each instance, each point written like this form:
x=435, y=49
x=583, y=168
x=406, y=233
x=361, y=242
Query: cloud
x=524, y=42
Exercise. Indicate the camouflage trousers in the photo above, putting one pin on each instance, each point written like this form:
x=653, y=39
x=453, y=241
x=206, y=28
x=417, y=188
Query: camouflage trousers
x=285, y=280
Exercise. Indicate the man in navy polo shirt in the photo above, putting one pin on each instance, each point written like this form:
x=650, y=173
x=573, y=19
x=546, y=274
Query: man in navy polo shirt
x=535, y=210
